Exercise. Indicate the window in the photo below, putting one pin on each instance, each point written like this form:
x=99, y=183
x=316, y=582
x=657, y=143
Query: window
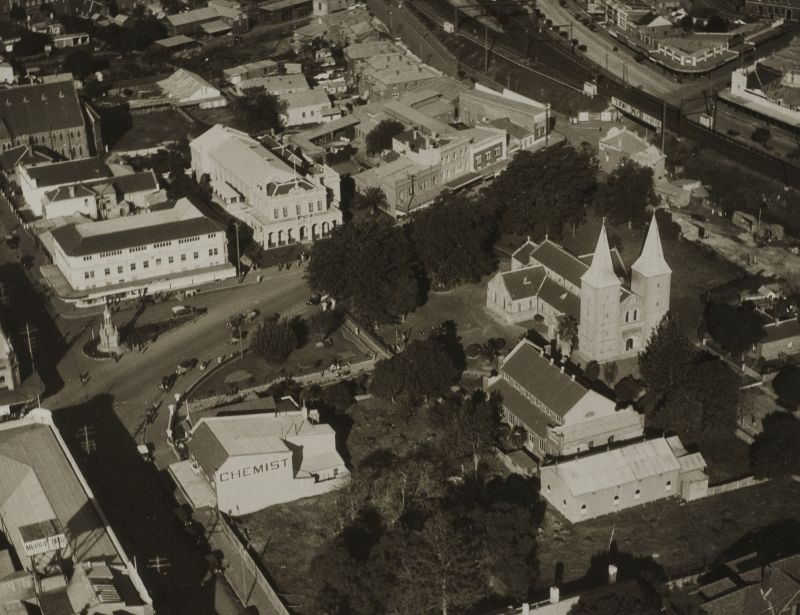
x=497, y=151
x=668, y=486
x=637, y=494
x=107, y=271
x=171, y=260
x=212, y=251
x=275, y=213
x=119, y=269
x=310, y=207
x=196, y=255
x=583, y=509
x=133, y=266
x=285, y=212
x=145, y=264
x=183, y=258
x=548, y=488
x=88, y=274
x=615, y=501
x=319, y=205
x=158, y=262
x=87, y=258
x=297, y=209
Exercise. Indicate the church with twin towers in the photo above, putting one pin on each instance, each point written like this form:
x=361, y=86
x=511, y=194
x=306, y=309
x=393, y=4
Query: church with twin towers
x=616, y=309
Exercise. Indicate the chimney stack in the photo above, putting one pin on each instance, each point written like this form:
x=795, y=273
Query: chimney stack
x=573, y=377
x=555, y=594
x=612, y=574
x=304, y=411
x=562, y=369
x=526, y=608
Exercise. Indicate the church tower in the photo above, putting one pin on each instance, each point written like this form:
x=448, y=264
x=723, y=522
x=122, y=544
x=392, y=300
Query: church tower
x=599, y=328
x=650, y=280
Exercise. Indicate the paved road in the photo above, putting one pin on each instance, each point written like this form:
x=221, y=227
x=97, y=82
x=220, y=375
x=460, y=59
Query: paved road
x=104, y=420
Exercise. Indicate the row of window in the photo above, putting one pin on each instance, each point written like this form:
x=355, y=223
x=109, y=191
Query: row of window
x=637, y=495
x=534, y=400
x=276, y=213
x=188, y=240
x=88, y=275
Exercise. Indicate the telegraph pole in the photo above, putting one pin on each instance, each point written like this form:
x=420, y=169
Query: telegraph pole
x=238, y=256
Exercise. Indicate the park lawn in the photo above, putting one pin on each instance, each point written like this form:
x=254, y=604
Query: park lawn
x=680, y=536
x=301, y=361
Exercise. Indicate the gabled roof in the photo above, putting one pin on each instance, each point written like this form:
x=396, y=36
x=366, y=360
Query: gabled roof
x=601, y=272
x=524, y=283
x=71, y=171
x=530, y=369
x=651, y=261
x=780, y=331
x=557, y=259
x=33, y=109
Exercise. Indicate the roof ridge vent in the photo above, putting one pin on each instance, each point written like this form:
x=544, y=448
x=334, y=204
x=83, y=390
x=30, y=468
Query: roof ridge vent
x=44, y=96
x=24, y=99
x=61, y=94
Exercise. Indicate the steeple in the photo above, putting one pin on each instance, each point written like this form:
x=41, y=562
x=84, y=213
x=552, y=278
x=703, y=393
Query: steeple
x=651, y=261
x=601, y=272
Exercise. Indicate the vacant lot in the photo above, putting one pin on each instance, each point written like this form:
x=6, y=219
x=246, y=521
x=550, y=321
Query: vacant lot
x=150, y=130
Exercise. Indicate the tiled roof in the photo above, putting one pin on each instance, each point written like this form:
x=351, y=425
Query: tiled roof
x=136, y=182
x=544, y=380
x=207, y=449
x=557, y=259
x=560, y=298
x=533, y=418
x=523, y=253
x=32, y=109
x=777, y=332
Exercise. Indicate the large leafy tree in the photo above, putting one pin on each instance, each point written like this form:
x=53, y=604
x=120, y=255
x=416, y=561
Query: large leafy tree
x=369, y=267
x=274, y=340
x=775, y=452
x=541, y=192
x=567, y=331
x=667, y=359
x=735, y=328
x=380, y=137
x=787, y=385
x=423, y=370
x=259, y=111
x=453, y=238
x=627, y=194
x=619, y=599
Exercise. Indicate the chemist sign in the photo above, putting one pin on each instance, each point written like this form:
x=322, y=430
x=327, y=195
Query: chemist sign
x=253, y=470
x=635, y=113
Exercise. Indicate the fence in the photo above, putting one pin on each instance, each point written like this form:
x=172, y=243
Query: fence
x=747, y=481
x=245, y=577
x=361, y=337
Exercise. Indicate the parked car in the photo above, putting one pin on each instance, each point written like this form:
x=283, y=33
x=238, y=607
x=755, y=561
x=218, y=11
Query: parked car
x=12, y=240
x=314, y=299
x=186, y=365
x=167, y=382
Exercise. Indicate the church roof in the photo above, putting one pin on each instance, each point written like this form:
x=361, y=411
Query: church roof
x=601, y=272
x=651, y=261
x=557, y=259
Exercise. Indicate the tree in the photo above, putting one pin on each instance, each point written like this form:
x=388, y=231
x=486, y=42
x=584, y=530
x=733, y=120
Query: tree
x=170, y=7
x=274, y=340
x=736, y=328
x=380, y=137
x=324, y=323
x=470, y=427
x=667, y=359
x=592, y=370
x=438, y=567
x=610, y=371
x=30, y=43
x=775, y=452
x=761, y=135
x=787, y=385
x=628, y=598
x=18, y=13
x=567, y=332
x=369, y=267
x=687, y=23
x=540, y=192
x=627, y=195
x=453, y=239
x=423, y=370
x=372, y=199
x=668, y=229
x=113, y=8
x=79, y=62
x=259, y=111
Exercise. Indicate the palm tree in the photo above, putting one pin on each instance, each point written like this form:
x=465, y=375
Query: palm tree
x=371, y=199
x=567, y=332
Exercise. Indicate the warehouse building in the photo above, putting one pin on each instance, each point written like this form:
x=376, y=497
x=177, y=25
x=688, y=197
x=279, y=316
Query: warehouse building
x=252, y=461
x=632, y=475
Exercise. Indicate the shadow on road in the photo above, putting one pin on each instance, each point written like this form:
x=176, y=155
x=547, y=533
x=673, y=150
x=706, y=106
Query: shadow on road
x=139, y=502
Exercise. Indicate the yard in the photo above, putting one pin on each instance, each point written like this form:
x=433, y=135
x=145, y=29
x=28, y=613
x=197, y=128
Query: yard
x=679, y=536
x=149, y=130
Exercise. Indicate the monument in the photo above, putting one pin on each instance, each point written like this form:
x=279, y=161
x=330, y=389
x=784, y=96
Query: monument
x=109, y=336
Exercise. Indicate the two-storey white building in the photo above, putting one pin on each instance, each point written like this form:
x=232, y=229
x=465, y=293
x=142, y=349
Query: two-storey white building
x=280, y=203
x=132, y=256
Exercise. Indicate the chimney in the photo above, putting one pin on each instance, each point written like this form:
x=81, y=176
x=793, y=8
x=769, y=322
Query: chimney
x=304, y=411
x=562, y=369
x=573, y=377
x=526, y=609
x=555, y=595
x=72, y=191
x=551, y=360
x=612, y=574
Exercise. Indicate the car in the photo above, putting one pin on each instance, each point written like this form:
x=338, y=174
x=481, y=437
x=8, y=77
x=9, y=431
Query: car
x=251, y=315
x=167, y=382
x=314, y=299
x=12, y=240
x=582, y=47
x=186, y=365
